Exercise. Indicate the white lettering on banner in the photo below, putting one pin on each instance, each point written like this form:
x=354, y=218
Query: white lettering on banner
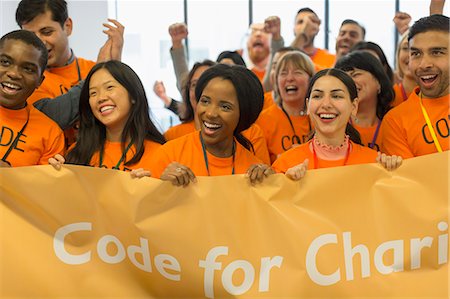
x=396, y=246
x=169, y=267
x=210, y=265
x=163, y=262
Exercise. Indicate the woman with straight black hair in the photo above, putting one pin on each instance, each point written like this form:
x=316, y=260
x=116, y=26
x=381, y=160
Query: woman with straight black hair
x=115, y=126
x=229, y=100
x=332, y=99
x=375, y=94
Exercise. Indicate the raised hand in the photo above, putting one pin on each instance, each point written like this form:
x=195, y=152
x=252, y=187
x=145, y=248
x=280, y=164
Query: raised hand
x=178, y=32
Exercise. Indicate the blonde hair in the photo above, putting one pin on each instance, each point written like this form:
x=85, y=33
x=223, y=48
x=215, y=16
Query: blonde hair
x=299, y=60
x=397, y=54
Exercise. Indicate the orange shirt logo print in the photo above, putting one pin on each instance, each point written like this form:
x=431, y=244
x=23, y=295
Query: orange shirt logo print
x=441, y=127
x=288, y=141
x=8, y=138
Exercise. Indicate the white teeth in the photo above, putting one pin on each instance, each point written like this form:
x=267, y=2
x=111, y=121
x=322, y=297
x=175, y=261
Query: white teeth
x=327, y=116
x=211, y=126
x=10, y=85
x=106, y=108
x=291, y=88
x=428, y=77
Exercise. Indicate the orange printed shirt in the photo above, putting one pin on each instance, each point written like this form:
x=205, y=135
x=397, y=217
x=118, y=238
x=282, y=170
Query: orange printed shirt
x=59, y=80
x=358, y=155
x=254, y=134
x=278, y=131
x=41, y=139
x=187, y=150
x=113, y=153
x=405, y=131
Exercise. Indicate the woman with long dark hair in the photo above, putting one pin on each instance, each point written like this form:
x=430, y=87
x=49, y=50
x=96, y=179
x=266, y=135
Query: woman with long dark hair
x=332, y=100
x=375, y=94
x=115, y=127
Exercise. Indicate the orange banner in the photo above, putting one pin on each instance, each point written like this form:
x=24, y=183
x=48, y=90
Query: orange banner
x=354, y=231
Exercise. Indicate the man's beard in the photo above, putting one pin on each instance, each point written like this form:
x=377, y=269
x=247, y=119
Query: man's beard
x=257, y=56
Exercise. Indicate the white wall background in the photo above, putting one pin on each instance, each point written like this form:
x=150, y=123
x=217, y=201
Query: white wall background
x=214, y=26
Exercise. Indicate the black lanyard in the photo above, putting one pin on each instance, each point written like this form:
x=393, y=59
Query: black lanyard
x=205, y=155
x=121, y=158
x=292, y=125
x=73, y=57
x=16, y=140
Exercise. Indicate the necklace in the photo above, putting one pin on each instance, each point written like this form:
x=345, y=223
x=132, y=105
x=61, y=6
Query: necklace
x=205, y=155
x=316, y=160
x=124, y=154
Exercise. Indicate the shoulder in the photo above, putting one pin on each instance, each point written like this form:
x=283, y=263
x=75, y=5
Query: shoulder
x=85, y=62
x=43, y=120
x=371, y=154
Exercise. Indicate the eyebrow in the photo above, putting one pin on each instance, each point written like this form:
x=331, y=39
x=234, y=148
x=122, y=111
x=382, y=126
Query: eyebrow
x=26, y=62
x=333, y=90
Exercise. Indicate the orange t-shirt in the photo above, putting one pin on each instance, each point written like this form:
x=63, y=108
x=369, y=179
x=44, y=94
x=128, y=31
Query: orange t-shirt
x=179, y=130
x=323, y=59
x=59, y=80
x=187, y=150
x=268, y=100
x=278, y=131
x=358, y=155
x=259, y=74
x=41, y=139
x=113, y=153
x=400, y=95
x=405, y=131
x=367, y=135
x=254, y=134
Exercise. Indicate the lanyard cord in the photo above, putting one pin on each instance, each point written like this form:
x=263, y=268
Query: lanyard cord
x=375, y=135
x=205, y=155
x=405, y=97
x=430, y=127
x=16, y=140
x=290, y=121
x=121, y=158
x=78, y=69
x=316, y=160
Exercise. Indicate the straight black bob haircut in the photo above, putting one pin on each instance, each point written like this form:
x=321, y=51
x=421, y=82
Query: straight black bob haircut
x=27, y=10
x=431, y=23
x=28, y=38
x=249, y=92
x=352, y=90
x=366, y=61
x=139, y=127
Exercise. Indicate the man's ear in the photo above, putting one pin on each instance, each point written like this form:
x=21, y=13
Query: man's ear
x=68, y=26
x=355, y=106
